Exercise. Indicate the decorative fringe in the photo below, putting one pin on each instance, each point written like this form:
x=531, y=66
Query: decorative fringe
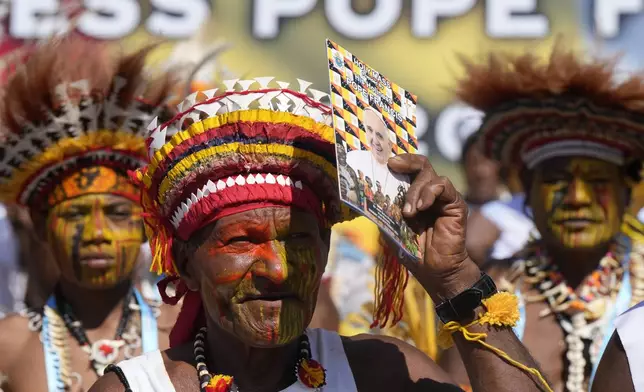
x=158, y=232
x=391, y=280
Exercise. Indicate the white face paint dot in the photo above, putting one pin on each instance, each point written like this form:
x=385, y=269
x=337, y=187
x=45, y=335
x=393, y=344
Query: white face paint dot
x=250, y=179
x=230, y=181
x=259, y=179
x=221, y=185
x=240, y=180
x=281, y=180
x=270, y=179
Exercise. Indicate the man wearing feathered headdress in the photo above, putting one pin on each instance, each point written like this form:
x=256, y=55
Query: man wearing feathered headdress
x=577, y=136
x=74, y=122
x=239, y=202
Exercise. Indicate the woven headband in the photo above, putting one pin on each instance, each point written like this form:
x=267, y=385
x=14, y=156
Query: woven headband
x=529, y=131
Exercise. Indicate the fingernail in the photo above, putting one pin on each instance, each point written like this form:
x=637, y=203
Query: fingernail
x=419, y=204
x=396, y=159
x=407, y=208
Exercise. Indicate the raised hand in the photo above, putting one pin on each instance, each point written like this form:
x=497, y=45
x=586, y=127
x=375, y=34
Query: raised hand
x=435, y=210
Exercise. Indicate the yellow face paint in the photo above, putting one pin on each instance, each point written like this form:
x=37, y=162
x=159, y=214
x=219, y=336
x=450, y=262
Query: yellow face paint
x=578, y=202
x=96, y=238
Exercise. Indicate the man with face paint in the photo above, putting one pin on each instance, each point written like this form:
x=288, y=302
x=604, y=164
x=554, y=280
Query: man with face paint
x=74, y=123
x=239, y=203
x=574, y=133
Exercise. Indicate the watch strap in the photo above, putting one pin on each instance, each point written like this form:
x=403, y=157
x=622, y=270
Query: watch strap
x=462, y=306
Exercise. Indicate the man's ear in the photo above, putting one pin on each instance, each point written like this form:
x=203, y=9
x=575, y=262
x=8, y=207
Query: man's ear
x=39, y=221
x=180, y=253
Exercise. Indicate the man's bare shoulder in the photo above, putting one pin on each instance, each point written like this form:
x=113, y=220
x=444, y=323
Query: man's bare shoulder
x=384, y=363
x=15, y=337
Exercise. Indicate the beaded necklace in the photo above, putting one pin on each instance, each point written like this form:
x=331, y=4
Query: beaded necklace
x=308, y=371
x=52, y=327
x=581, y=313
x=104, y=351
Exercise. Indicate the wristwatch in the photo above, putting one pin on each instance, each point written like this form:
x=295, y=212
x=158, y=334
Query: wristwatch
x=462, y=306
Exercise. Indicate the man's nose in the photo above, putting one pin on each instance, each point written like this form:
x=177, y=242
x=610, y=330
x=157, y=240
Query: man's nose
x=579, y=193
x=97, y=230
x=271, y=262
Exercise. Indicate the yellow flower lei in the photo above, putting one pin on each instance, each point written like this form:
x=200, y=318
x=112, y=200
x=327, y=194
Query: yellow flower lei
x=502, y=309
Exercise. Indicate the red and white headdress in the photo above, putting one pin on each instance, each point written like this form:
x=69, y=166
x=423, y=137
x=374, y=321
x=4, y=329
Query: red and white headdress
x=234, y=151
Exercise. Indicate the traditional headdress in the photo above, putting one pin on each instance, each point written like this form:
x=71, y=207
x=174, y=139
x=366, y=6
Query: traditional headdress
x=73, y=108
x=231, y=152
x=564, y=107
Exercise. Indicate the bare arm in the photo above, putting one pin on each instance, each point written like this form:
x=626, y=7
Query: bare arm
x=489, y=372
x=613, y=373
x=481, y=236
x=435, y=209
x=450, y=361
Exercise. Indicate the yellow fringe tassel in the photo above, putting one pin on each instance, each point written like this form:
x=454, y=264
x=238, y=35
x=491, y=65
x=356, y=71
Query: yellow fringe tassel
x=502, y=309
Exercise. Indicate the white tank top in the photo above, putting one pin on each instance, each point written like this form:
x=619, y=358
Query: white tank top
x=629, y=328
x=147, y=372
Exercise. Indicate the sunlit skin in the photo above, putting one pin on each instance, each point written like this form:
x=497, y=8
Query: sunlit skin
x=578, y=202
x=96, y=238
x=377, y=136
x=258, y=273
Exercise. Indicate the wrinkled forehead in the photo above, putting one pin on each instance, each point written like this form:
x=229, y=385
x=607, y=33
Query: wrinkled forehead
x=279, y=219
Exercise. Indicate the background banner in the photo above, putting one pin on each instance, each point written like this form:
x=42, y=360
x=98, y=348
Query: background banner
x=414, y=42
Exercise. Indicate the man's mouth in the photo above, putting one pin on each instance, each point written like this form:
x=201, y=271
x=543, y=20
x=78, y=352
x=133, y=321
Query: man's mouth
x=268, y=297
x=576, y=223
x=97, y=260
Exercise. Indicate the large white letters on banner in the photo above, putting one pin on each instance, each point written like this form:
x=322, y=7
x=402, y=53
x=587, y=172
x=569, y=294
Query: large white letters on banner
x=267, y=15
x=109, y=19
x=35, y=19
x=608, y=14
x=425, y=14
x=515, y=19
x=453, y=125
x=177, y=19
